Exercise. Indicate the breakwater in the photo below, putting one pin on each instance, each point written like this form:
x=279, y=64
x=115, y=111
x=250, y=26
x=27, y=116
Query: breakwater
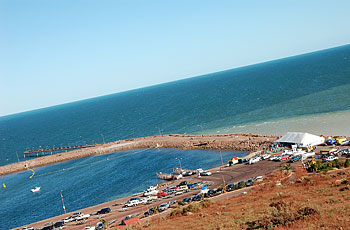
x=238, y=142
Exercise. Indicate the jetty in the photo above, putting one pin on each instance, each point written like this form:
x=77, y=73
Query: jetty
x=50, y=151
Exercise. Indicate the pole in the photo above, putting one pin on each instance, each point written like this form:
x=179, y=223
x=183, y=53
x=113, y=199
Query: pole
x=103, y=138
x=17, y=156
x=222, y=162
x=179, y=163
x=159, y=131
x=64, y=207
x=202, y=129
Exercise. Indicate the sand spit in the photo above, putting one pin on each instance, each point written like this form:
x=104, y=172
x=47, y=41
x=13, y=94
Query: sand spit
x=238, y=142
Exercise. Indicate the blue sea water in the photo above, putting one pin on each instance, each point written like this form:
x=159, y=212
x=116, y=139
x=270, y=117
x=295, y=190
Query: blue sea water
x=92, y=180
x=305, y=85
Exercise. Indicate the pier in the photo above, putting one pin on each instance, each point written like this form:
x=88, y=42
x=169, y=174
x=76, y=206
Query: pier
x=49, y=151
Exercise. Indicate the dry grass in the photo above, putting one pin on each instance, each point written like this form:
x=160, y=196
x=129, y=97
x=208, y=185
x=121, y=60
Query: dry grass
x=318, y=201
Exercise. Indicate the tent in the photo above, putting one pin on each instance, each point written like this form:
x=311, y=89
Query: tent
x=300, y=139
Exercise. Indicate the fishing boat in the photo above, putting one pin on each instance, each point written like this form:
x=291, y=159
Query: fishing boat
x=164, y=176
x=36, y=189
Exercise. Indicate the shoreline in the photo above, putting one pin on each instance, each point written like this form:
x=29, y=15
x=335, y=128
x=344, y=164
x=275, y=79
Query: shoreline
x=238, y=142
x=229, y=173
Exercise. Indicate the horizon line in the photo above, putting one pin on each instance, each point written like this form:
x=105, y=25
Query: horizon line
x=162, y=83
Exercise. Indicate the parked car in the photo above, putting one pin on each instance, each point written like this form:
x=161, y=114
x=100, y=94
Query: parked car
x=131, y=203
x=190, y=186
x=330, y=141
x=179, y=192
x=331, y=158
x=284, y=157
x=275, y=158
x=265, y=156
x=183, y=188
x=249, y=182
x=104, y=211
x=182, y=183
x=186, y=200
x=218, y=191
x=161, y=194
x=68, y=219
x=59, y=224
x=150, y=192
x=172, y=202
x=197, y=198
x=254, y=160
x=187, y=173
x=82, y=217
x=205, y=173
x=230, y=187
x=142, y=201
x=163, y=207
x=241, y=184
x=150, y=212
x=100, y=225
x=210, y=193
x=295, y=158
x=76, y=214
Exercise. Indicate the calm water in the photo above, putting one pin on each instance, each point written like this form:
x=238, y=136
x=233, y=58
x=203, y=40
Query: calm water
x=308, y=84
x=92, y=180
x=271, y=97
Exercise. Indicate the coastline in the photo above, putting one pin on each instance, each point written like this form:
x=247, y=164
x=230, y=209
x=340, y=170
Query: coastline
x=238, y=142
x=229, y=174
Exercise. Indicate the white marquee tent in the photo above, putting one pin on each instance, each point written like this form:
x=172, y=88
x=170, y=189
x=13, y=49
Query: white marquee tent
x=300, y=139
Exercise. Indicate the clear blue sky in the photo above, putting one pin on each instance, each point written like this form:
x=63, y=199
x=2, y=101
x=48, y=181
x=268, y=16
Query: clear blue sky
x=58, y=51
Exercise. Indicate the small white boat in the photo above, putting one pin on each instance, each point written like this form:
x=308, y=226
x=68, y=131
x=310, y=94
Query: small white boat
x=36, y=189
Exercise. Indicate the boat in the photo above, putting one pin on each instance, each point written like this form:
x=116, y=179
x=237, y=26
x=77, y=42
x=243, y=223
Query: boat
x=36, y=189
x=164, y=176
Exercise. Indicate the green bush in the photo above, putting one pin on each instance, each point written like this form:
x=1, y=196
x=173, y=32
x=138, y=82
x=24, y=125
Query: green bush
x=347, y=163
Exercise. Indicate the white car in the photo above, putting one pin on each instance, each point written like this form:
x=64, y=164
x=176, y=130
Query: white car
x=82, y=217
x=150, y=192
x=135, y=201
x=132, y=203
x=265, y=156
x=90, y=228
x=307, y=155
x=205, y=173
x=254, y=160
x=275, y=158
x=331, y=158
x=68, y=219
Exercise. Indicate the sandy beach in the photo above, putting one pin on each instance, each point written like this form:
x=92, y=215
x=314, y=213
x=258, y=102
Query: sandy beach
x=238, y=142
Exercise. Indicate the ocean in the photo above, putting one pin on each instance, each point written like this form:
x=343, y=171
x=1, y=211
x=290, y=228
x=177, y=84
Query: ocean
x=309, y=92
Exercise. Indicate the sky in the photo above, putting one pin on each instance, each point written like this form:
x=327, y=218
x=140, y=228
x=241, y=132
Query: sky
x=58, y=51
